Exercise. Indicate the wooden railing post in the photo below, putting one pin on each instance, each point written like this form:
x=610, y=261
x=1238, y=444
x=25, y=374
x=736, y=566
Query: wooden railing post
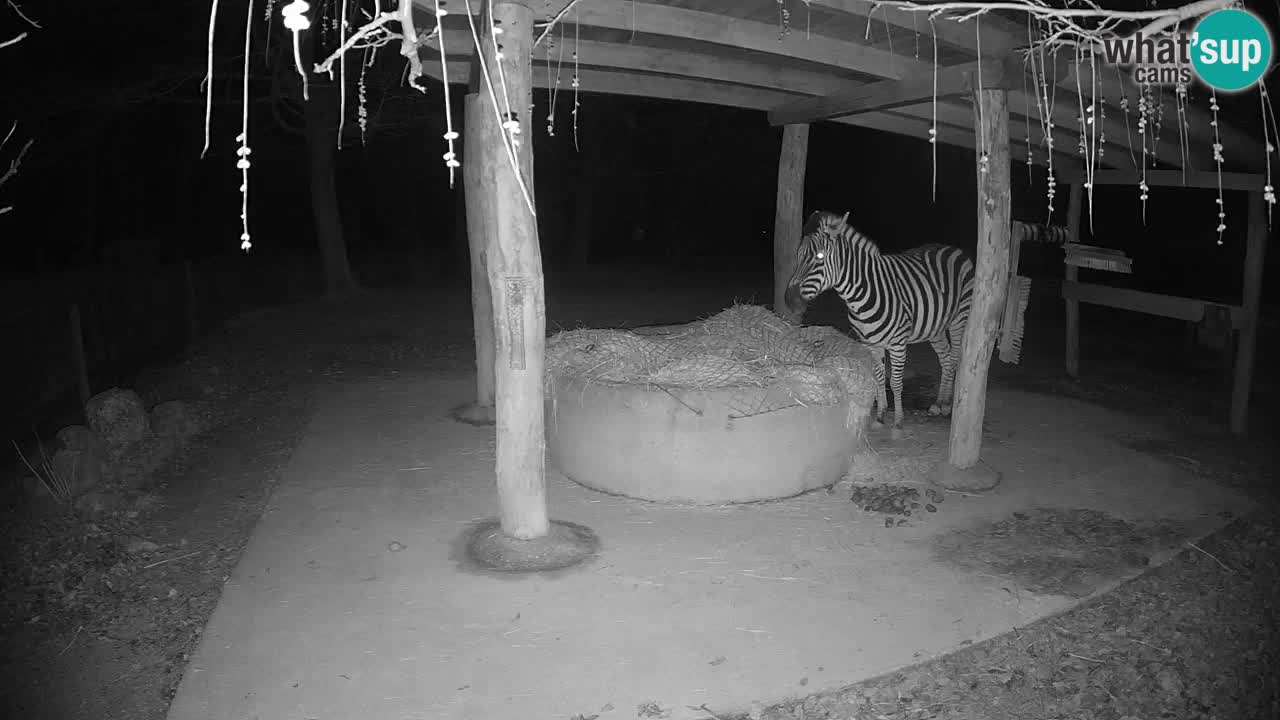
x=1074, y=209
x=1251, y=304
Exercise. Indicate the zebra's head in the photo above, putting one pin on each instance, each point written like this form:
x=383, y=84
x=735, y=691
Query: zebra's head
x=817, y=259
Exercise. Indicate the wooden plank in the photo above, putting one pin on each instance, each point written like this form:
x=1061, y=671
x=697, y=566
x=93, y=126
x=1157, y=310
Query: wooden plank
x=1255, y=254
x=514, y=270
x=990, y=282
x=1074, y=211
x=690, y=90
x=1170, y=306
x=594, y=55
x=703, y=27
x=746, y=72
x=1064, y=142
x=480, y=155
x=911, y=90
x=1113, y=84
x=789, y=214
x=1209, y=179
x=997, y=37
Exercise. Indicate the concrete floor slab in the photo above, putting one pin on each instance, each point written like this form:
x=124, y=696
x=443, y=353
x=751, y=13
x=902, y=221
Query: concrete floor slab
x=350, y=602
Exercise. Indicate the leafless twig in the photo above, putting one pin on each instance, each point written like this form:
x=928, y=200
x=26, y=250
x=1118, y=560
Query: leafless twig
x=1211, y=557
x=23, y=15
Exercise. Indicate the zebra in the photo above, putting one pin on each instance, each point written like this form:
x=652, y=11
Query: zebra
x=1039, y=233
x=892, y=300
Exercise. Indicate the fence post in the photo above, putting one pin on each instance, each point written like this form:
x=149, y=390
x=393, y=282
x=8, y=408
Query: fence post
x=77, y=355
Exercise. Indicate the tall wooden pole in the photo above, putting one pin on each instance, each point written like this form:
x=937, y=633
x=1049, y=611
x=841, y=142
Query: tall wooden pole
x=1251, y=304
x=479, y=158
x=789, y=215
x=992, y=280
x=1074, y=208
x=515, y=277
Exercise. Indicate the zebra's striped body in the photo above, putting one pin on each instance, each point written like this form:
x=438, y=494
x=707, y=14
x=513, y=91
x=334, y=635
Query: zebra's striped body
x=1021, y=232
x=919, y=295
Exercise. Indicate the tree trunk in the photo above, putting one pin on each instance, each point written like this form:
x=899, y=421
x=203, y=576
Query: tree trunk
x=322, y=148
x=789, y=216
x=516, y=285
x=991, y=115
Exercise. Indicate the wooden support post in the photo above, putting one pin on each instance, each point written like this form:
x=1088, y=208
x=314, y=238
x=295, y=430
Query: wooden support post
x=991, y=120
x=78, y=359
x=480, y=155
x=789, y=215
x=1074, y=210
x=1251, y=304
x=515, y=279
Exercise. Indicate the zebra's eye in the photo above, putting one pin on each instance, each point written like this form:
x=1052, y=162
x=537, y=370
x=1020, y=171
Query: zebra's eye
x=821, y=255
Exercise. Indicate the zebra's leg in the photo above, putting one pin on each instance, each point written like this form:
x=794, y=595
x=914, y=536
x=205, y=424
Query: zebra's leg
x=946, y=352
x=897, y=360
x=882, y=404
x=947, y=383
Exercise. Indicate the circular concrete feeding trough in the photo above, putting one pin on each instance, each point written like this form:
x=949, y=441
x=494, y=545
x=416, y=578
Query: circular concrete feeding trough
x=736, y=408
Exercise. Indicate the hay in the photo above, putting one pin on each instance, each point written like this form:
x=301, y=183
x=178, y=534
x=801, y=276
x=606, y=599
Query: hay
x=769, y=363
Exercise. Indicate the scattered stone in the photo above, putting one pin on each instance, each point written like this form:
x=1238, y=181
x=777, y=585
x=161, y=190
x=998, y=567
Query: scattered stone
x=79, y=437
x=117, y=417
x=1170, y=682
x=140, y=545
x=98, y=504
x=78, y=470
x=173, y=419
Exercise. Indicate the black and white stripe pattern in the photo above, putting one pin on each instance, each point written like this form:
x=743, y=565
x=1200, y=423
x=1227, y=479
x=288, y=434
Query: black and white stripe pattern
x=922, y=294
x=1021, y=232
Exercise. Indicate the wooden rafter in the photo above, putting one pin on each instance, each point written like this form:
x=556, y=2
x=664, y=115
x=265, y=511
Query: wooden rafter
x=954, y=81
x=809, y=65
x=1252, y=182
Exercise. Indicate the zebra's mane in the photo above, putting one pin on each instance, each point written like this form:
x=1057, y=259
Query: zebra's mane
x=836, y=226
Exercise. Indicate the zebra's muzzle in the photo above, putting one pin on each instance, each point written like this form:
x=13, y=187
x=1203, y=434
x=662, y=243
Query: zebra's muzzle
x=794, y=300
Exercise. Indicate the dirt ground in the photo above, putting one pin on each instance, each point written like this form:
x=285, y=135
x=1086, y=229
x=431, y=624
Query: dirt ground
x=99, y=613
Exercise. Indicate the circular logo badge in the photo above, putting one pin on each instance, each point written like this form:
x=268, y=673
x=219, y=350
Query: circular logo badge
x=1231, y=49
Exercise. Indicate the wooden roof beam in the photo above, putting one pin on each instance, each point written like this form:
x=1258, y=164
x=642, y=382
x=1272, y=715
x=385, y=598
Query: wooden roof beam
x=1205, y=179
x=959, y=114
x=689, y=90
x=668, y=62
x=919, y=86
x=1113, y=84
x=997, y=37
x=717, y=29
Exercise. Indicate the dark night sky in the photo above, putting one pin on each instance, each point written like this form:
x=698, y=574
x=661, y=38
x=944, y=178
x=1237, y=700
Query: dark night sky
x=115, y=175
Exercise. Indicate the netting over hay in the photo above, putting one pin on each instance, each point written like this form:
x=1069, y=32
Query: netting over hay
x=770, y=363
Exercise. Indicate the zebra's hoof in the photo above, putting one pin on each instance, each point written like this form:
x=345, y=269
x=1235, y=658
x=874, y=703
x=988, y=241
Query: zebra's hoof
x=940, y=410
x=876, y=424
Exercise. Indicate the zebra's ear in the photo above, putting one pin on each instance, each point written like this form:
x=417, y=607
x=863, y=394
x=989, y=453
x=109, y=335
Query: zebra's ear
x=845, y=220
